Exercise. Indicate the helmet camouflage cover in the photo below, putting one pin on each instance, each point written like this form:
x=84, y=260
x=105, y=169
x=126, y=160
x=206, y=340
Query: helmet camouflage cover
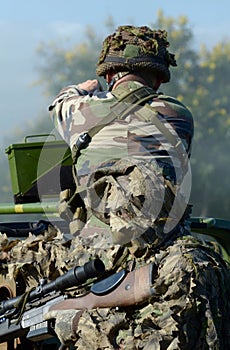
x=136, y=48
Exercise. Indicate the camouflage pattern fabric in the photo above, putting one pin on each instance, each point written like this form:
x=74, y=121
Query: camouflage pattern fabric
x=74, y=114
x=129, y=138
x=134, y=200
x=190, y=309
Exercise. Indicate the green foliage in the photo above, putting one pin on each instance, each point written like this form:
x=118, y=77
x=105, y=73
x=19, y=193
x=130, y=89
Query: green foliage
x=201, y=81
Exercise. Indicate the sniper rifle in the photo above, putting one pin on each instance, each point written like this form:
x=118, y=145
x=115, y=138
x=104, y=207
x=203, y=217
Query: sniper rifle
x=23, y=316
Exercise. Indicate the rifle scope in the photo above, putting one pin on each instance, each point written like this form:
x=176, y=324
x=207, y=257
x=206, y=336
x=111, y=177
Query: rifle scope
x=74, y=277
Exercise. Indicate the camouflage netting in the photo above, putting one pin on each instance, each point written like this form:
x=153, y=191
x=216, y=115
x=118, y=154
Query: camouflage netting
x=190, y=310
x=44, y=256
x=132, y=48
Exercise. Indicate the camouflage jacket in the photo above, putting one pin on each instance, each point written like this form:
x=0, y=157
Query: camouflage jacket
x=75, y=112
x=125, y=167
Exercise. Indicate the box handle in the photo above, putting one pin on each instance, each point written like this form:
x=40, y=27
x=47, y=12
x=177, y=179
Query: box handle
x=38, y=135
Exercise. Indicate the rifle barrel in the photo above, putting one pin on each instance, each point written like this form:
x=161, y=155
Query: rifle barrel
x=74, y=277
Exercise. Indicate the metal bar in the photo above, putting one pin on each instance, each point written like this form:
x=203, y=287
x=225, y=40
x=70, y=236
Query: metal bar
x=45, y=207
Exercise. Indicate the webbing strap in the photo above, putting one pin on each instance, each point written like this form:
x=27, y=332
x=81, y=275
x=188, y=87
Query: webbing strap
x=127, y=103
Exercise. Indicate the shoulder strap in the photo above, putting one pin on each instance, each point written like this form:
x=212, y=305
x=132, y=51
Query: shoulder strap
x=127, y=102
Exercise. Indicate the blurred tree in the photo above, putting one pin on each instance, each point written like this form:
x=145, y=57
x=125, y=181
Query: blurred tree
x=206, y=90
x=63, y=66
x=200, y=81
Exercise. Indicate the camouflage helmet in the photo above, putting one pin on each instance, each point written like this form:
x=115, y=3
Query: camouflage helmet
x=136, y=48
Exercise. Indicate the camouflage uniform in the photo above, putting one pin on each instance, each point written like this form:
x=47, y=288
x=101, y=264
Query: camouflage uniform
x=130, y=176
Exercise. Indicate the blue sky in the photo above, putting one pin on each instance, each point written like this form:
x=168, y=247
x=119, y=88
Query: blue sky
x=25, y=23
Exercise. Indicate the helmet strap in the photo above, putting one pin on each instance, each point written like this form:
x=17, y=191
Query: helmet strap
x=115, y=78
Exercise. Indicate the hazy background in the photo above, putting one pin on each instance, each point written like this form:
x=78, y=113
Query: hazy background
x=26, y=23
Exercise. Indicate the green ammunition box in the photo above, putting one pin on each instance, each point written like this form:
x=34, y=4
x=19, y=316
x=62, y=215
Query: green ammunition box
x=39, y=169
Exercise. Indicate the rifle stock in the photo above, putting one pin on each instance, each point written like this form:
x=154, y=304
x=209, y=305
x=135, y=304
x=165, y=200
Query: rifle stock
x=135, y=288
x=121, y=289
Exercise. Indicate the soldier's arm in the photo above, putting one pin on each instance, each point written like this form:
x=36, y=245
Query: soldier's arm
x=61, y=108
x=70, y=91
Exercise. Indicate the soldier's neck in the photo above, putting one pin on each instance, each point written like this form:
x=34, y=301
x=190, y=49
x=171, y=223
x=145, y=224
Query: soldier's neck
x=130, y=77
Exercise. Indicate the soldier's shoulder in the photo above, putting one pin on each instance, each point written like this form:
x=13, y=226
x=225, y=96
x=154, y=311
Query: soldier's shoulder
x=173, y=104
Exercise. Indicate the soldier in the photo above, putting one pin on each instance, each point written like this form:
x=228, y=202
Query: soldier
x=130, y=147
